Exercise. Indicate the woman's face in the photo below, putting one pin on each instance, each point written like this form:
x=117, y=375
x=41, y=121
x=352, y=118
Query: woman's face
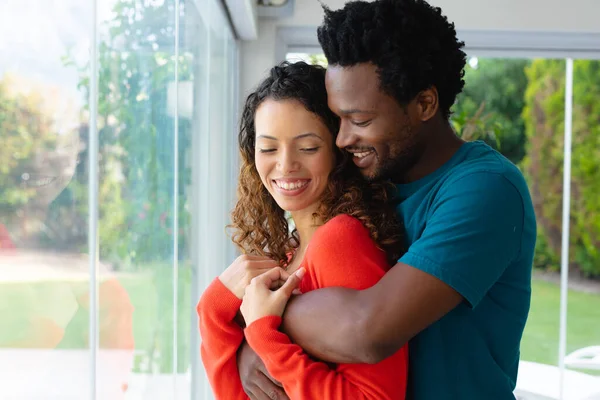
x=294, y=154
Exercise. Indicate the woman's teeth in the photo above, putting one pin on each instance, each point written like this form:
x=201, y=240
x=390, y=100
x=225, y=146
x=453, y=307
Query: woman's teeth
x=291, y=185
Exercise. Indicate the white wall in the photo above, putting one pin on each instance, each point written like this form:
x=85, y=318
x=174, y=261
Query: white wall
x=524, y=15
x=481, y=15
x=535, y=15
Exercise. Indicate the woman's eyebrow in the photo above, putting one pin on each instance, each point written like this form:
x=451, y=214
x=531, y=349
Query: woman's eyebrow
x=301, y=136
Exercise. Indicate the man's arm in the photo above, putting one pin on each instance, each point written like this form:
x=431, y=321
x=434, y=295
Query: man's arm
x=350, y=326
x=473, y=233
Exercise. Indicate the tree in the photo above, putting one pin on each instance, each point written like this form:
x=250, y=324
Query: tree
x=544, y=120
x=38, y=156
x=25, y=131
x=494, y=96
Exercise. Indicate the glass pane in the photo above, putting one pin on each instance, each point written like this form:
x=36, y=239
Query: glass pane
x=138, y=233
x=583, y=311
x=215, y=149
x=517, y=106
x=149, y=126
x=44, y=277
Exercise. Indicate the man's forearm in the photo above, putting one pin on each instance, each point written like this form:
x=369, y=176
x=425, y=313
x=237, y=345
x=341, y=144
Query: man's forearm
x=348, y=326
x=329, y=324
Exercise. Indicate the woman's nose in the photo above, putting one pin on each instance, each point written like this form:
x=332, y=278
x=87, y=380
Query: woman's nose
x=287, y=162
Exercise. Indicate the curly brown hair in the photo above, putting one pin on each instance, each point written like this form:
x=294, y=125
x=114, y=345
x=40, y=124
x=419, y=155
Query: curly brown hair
x=259, y=225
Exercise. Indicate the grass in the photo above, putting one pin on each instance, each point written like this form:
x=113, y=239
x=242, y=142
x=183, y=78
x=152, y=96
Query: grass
x=47, y=315
x=151, y=295
x=540, y=339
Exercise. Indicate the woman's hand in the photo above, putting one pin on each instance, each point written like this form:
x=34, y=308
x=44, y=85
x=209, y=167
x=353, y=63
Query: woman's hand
x=260, y=301
x=239, y=274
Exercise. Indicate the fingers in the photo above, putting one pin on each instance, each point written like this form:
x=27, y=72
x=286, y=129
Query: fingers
x=277, y=284
x=267, y=390
x=292, y=283
x=262, y=369
x=271, y=276
x=254, y=393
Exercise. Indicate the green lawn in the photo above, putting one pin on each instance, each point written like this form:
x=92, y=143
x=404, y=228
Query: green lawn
x=151, y=295
x=23, y=305
x=540, y=339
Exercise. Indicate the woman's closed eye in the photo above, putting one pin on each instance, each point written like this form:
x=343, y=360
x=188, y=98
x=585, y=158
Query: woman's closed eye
x=303, y=149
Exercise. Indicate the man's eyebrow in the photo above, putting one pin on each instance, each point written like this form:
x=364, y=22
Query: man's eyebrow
x=355, y=111
x=308, y=134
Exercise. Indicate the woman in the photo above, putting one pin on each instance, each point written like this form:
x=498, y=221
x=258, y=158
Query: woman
x=290, y=164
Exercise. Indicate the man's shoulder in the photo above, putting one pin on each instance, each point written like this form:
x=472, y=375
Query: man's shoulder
x=482, y=164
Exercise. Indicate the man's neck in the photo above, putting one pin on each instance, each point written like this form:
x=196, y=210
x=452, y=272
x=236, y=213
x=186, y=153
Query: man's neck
x=441, y=144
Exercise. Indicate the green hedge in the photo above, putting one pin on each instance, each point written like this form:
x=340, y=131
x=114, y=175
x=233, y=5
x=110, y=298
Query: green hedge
x=544, y=121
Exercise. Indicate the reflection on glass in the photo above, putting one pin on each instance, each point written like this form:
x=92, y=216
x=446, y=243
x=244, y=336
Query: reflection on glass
x=543, y=116
x=137, y=195
x=145, y=301
x=43, y=201
x=583, y=306
x=517, y=106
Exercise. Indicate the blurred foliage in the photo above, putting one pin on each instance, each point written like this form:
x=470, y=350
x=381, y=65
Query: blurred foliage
x=136, y=131
x=492, y=104
x=544, y=117
x=27, y=131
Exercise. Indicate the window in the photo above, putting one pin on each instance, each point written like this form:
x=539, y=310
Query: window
x=164, y=122
x=517, y=105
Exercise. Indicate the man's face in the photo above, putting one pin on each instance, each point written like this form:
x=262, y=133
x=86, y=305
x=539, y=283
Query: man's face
x=382, y=136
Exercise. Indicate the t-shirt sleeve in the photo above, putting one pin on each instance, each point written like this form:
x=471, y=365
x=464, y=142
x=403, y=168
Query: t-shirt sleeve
x=472, y=233
x=340, y=254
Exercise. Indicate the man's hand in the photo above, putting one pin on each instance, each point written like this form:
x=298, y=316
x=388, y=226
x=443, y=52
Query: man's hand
x=256, y=381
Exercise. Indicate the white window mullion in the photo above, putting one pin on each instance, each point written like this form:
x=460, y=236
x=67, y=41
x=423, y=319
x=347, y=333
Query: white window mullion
x=93, y=195
x=564, y=267
x=176, y=204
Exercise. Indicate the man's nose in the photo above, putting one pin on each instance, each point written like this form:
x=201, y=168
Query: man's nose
x=344, y=138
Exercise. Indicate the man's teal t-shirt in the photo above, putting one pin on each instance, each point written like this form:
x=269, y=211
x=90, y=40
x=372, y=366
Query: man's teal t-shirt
x=471, y=224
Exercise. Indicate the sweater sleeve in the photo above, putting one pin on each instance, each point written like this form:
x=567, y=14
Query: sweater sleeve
x=221, y=338
x=335, y=247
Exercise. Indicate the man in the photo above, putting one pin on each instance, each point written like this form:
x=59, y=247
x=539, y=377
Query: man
x=461, y=293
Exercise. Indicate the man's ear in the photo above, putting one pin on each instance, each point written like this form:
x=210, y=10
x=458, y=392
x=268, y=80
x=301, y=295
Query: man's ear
x=427, y=103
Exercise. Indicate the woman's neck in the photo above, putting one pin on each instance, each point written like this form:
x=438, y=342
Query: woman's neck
x=306, y=225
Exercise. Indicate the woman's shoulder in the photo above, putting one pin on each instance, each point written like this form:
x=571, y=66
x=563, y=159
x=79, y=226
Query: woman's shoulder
x=342, y=253
x=342, y=224
x=340, y=232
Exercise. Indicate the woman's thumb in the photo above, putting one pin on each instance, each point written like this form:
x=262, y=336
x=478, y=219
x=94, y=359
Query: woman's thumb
x=293, y=282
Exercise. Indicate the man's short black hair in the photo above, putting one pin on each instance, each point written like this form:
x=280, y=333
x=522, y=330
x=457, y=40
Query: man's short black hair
x=413, y=46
